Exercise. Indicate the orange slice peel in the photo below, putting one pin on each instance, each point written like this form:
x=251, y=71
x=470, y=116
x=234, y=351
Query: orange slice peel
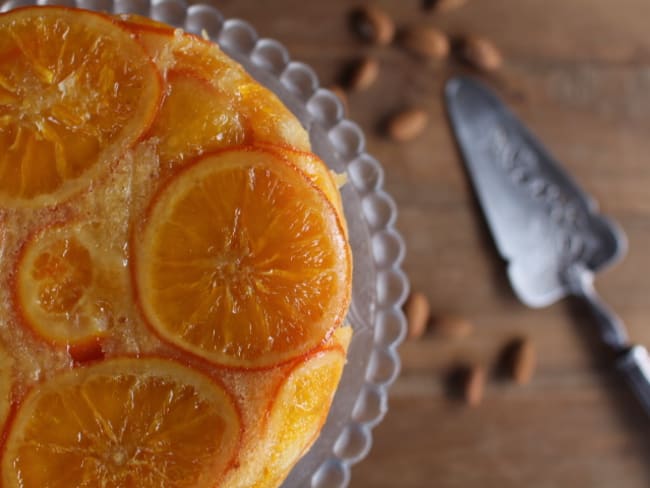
x=6, y=380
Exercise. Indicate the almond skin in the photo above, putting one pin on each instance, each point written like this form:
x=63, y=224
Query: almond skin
x=418, y=311
x=524, y=361
x=474, y=387
x=425, y=42
x=374, y=25
x=481, y=53
x=452, y=326
x=364, y=74
x=407, y=125
x=445, y=5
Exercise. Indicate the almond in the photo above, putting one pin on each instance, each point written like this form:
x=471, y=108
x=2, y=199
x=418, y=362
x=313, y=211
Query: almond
x=407, y=125
x=481, y=53
x=364, y=74
x=417, y=311
x=426, y=42
x=374, y=25
x=452, y=326
x=524, y=361
x=474, y=387
x=341, y=95
x=445, y=5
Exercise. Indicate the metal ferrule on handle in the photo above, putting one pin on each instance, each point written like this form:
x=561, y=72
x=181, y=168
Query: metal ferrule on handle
x=633, y=361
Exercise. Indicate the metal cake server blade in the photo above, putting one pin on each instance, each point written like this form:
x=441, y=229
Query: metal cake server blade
x=546, y=228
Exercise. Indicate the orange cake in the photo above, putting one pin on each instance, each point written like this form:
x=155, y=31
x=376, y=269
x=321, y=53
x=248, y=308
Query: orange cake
x=175, y=266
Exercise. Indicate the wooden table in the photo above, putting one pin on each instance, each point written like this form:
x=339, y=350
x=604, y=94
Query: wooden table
x=578, y=71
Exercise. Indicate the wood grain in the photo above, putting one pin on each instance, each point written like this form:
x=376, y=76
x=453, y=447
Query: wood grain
x=579, y=73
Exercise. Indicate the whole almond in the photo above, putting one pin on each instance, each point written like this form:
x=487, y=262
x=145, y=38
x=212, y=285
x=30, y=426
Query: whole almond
x=481, y=53
x=474, y=387
x=341, y=95
x=407, y=125
x=524, y=361
x=452, y=326
x=417, y=311
x=426, y=42
x=374, y=24
x=445, y=5
x=364, y=74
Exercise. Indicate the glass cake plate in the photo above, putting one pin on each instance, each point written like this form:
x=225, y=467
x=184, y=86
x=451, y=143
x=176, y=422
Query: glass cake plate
x=379, y=286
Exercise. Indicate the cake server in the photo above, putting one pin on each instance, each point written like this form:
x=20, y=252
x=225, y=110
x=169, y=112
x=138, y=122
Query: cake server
x=545, y=227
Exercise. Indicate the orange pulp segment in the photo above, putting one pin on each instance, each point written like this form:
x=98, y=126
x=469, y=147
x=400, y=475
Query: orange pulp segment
x=317, y=171
x=123, y=423
x=75, y=89
x=243, y=261
x=299, y=412
x=60, y=285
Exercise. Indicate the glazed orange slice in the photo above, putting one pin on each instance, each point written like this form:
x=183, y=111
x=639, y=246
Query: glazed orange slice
x=75, y=90
x=6, y=365
x=64, y=286
x=300, y=410
x=257, y=111
x=243, y=261
x=194, y=118
x=269, y=120
x=123, y=423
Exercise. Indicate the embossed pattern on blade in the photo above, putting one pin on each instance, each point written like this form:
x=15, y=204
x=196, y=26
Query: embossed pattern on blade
x=540, y=219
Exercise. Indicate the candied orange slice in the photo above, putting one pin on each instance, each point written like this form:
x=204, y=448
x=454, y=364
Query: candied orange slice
x=259, y=111
x=6, y=365
x=123, y=423
x=63, y=286
x=75, y=90
x=243, y=261
x=194, y=118
x=300, y=410
x=269, y=120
